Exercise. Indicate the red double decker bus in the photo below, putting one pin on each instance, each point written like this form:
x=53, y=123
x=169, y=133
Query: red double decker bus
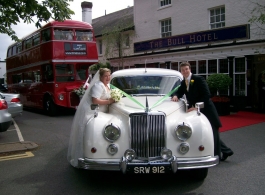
x=48, y=64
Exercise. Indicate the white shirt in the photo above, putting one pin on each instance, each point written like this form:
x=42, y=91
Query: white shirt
x=188, y=79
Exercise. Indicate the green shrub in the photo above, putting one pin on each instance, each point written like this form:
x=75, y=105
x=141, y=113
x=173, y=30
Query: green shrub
x=217, y=82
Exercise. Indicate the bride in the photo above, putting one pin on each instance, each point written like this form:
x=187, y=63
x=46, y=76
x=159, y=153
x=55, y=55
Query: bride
x=98, y=92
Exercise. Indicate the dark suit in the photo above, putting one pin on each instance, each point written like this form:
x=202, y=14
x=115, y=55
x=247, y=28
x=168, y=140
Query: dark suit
x=199, y=92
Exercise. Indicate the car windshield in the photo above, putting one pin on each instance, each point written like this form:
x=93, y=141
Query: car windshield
x=150, y=84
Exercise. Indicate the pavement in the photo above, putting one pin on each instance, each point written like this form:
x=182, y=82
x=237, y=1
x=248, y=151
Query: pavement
x=13, y=147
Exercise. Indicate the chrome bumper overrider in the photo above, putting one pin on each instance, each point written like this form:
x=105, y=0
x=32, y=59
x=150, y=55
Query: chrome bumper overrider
x=174, y=163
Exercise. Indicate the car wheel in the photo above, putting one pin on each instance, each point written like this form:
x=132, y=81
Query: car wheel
x=199, y=174
x=50, y=107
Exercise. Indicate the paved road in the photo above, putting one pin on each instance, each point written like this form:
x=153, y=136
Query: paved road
x=48, y=172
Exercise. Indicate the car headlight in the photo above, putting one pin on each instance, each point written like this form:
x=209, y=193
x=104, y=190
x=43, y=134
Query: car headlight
x=183, y=131
x=112, y=132
x=61, y=97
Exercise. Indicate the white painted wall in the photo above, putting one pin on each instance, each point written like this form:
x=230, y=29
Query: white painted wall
x=188, y=16
x=2, y=69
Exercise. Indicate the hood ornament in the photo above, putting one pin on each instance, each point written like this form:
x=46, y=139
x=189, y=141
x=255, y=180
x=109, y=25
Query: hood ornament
x=146, y=105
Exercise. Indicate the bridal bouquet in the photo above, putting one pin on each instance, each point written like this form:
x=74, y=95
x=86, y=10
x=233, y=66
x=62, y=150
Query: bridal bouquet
x=116, y=94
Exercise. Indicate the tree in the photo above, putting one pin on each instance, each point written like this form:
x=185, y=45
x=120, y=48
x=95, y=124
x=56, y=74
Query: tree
x=13, y=11
x=256, y=15
x=116, y=37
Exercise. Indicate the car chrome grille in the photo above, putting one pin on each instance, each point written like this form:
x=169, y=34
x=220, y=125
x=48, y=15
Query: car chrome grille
x=147, y=134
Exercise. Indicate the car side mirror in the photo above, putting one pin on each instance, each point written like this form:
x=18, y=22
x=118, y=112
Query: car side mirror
x=199, y=105
x=94, y=106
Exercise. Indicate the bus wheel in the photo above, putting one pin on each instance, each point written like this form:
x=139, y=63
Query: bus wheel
x=50, y=107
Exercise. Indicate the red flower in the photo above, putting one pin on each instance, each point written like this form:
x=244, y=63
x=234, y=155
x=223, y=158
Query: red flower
x=220, y=99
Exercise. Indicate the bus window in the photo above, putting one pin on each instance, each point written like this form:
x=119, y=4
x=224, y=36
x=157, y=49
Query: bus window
x=84, y=35
x=14, y=50
x=81, y=71
x=9, y=52
x=46, y=35
x=60, y=34
x=64, y=72
x=28, y=43
x=19, y=47
x=36, y=39
x=27, y=77
x=16, y=78
x=48, y=72
x=37, y=76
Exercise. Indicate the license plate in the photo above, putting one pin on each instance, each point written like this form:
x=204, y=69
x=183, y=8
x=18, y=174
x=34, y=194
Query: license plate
x=148, y=169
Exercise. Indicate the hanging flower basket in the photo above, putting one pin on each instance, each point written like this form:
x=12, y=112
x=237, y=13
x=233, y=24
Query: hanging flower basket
x=80, y=91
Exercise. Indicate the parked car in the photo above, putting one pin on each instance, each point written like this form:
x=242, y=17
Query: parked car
x=145, y=132
x=15, y=108
x=5, y=116
x=3, y=88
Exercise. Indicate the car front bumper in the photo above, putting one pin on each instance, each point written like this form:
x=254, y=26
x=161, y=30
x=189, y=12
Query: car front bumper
x=174, y=164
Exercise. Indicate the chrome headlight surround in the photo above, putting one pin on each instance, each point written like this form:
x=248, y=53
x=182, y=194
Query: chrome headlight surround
x=112, y=132
x=183, y=131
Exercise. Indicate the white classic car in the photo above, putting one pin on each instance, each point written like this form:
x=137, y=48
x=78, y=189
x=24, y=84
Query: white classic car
x=145, y=132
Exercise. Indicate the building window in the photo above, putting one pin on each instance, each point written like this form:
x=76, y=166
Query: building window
x=166, y=28
x=100, y=47
x=193, y=66
x=217, y=17
x=223, y=66
x=202, y=67
x=212, y=66
x=165, y=2
x=240, y=77
x=126, y=40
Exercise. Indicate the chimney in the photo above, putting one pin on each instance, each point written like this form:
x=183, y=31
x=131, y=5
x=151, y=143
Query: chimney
x=87, y=12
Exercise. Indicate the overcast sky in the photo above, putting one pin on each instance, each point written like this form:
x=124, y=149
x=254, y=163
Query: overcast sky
x=98, y=9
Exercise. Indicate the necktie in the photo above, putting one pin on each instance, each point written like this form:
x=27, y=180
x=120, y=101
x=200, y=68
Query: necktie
x=187, y=84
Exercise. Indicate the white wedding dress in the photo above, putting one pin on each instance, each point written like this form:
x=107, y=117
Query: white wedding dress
x=83, y=115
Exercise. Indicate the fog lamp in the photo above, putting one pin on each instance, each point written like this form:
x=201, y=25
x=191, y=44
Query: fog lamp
x=166, y=154
x=112, y=149
x=129, y=154
x=184, y=148
x=61, y=97
x=183, y=132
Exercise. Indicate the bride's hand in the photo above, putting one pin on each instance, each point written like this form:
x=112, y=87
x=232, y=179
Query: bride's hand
x=111, y=101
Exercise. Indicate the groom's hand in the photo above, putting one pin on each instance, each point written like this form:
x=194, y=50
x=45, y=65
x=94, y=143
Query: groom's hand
x=175, y=98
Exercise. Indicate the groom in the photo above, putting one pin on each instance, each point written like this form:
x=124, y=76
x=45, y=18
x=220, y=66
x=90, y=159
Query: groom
x=196, y=90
